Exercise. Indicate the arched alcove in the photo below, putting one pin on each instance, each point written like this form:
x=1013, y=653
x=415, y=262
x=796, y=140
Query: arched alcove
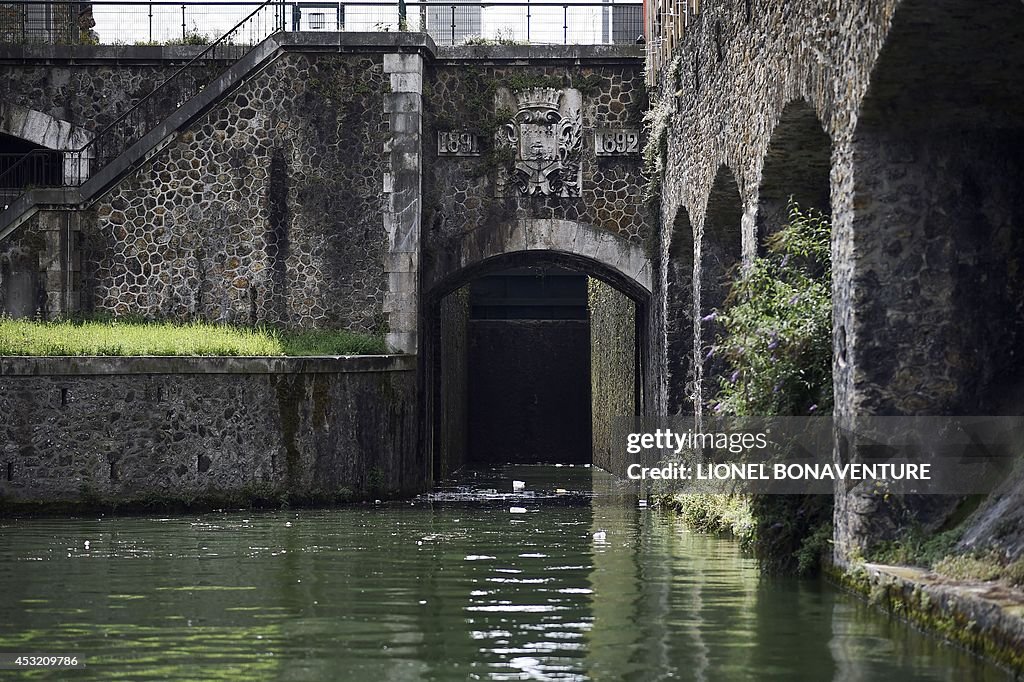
x=796, y=166
x=939, y=225
x=679, y=321
x=937, y=252
x=721, y=252
x=24, y=131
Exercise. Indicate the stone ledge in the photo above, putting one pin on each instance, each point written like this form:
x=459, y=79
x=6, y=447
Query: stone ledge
x=118, y=54
x=505, y=53
x=987, y=618
x=26, y=366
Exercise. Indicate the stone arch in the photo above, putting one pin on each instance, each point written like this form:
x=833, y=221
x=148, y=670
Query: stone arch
x=939, y=228
x=625, y=264
x=936, y=238
x=679, y=323
x=42, y=131
x=721, y=253
x=797, y=164
x=524, y=243
x=40, y=128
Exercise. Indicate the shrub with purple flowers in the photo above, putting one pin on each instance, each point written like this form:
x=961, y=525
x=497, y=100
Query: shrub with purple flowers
x=777, y=325
x=777, y=340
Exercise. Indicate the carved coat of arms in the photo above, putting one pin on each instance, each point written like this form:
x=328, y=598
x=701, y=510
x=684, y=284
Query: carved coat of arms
x=546, y=136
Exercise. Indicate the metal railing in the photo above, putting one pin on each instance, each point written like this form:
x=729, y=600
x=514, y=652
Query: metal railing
x=454, y=22
x=186, y=82
x=667, y=22
x=165, y=22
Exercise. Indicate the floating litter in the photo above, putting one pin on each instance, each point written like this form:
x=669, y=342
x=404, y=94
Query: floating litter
x=518, y=485
x=643, y=503
x=517, y=510
x=600, y=535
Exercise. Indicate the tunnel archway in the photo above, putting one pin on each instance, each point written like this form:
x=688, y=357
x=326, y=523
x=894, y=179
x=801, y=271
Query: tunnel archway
x=616, y=301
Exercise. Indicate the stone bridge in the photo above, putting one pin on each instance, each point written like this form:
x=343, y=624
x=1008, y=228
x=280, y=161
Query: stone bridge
x=361, y=180
x=903, y=119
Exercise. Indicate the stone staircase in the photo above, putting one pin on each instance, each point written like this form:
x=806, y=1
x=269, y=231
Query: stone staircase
x=144, y=130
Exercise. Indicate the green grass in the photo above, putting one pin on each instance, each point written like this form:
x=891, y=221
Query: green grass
x=125, y=338
x=715, y=513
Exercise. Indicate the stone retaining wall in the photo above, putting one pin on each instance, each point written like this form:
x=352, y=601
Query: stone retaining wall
x=111, y=432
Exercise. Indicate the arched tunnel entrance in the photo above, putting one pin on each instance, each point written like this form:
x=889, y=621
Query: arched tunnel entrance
x=530, y=356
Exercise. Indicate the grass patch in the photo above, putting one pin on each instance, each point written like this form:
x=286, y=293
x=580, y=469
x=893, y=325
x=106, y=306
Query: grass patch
x=715, y=513
x=132, y=338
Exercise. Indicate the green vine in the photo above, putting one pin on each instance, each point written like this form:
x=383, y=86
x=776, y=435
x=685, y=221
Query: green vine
x=655, y=151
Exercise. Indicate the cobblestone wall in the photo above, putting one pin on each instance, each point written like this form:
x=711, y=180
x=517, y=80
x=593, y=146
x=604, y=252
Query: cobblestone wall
x=266, y=211
x=97, y=84
x=123, y=431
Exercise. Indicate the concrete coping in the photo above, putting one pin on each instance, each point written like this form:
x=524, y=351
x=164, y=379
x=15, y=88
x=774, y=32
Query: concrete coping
x=318, y=41
x=85, y=365
x=118, y=54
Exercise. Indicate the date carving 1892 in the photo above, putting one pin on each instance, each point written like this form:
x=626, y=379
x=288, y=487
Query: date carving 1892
x=616, y=141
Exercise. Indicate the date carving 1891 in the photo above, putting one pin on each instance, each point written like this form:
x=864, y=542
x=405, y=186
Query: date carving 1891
x=457, y=143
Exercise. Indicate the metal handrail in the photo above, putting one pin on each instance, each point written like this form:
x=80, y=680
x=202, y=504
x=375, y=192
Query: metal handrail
x=144, y=115
x=91, y=153
x=346, y=3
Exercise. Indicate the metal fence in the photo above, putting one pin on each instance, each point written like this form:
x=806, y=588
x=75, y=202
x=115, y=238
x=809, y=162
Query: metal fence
x=78, y=165
x=199, y=23
x=448, y=22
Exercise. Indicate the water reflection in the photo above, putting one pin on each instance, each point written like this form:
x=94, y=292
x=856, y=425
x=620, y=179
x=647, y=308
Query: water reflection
x=579, y=583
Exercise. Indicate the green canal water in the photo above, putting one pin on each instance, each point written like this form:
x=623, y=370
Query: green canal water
x=569, y=578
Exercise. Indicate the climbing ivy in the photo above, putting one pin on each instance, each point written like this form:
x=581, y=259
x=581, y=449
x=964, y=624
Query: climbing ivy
x=655, y=154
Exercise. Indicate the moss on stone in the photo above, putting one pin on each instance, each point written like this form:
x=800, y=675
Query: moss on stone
x=290, y=392
x=917, y=604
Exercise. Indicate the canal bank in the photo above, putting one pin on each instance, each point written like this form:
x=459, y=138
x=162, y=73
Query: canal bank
x=206, y=432
x=984, y=617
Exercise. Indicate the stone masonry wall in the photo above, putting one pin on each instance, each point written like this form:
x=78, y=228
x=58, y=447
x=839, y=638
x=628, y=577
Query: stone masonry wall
x=137, y=430
x=613, y=369
x=89, y=87
x=915, y=109
x=266, y=211
x=465, y=195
